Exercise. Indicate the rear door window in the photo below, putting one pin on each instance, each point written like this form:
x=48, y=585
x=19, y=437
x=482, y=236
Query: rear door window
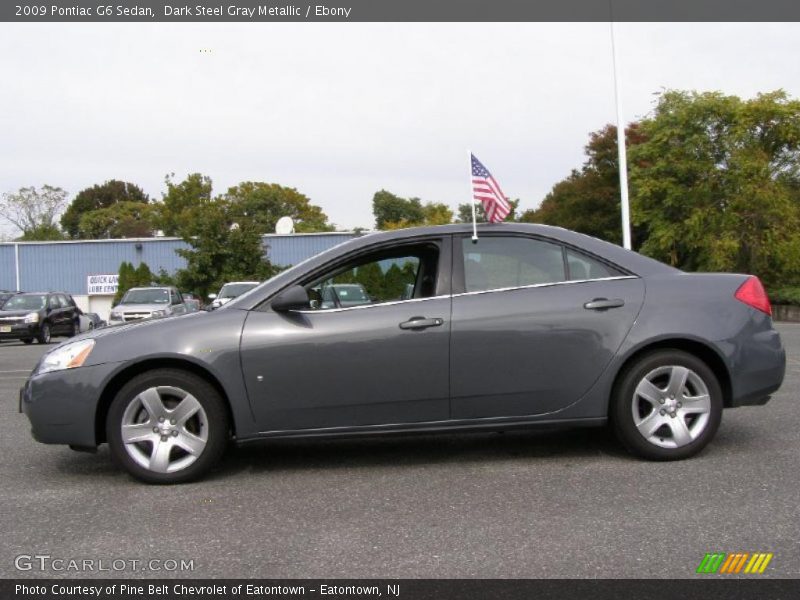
x=507, y=262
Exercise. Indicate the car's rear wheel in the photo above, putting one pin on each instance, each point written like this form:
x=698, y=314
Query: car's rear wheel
x=666, y=406
x=44, y=334
x=167, y=426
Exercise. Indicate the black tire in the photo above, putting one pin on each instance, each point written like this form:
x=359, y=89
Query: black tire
x=74, y=329
x=44, y=334
x=701, y=429
x=216, y=416
x=27, y=340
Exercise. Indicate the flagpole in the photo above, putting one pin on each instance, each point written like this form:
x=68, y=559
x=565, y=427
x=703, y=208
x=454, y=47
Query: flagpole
x=472, y=202
x=621, y=150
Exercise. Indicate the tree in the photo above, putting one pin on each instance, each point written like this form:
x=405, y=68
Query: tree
x=99, y=197
x=119, y=220
x=394, y=212
x=34, y=212
x=264, y=203
x=221, y=249
x=390, y=209
x=588, y=200
x=716, y=183
x=180, y=198
x=131, y=277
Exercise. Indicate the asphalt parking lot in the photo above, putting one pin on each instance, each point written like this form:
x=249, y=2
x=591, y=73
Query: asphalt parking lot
x=568, y=504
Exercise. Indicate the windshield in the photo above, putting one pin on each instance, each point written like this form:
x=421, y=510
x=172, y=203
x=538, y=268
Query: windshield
x=231, y=290
x=146, y=296
x=23, y=302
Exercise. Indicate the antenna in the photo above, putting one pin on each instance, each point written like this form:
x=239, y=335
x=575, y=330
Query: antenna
x=284, y=226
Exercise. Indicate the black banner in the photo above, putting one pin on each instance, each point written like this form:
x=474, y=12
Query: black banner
x=399, y=10
x=407, y=589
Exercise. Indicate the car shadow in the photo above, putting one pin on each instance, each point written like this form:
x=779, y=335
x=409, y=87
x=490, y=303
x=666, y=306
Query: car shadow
x=402, y=451
x=389, y=451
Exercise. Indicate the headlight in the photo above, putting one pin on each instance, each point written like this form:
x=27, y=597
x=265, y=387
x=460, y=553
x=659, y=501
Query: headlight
x=32, y=317
x=158, y=313
x=66, y=357
x=115, y=316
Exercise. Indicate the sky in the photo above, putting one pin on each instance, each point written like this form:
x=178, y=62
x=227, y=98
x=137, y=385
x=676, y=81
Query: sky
x=342, y=110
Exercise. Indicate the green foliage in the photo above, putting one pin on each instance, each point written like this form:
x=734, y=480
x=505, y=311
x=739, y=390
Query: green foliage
x=131, y=277
x=588, y=200
x=222, y=249
x=785, y=295
x=389, y=209
x=99, y=197
x=42, y=233
x=119, y=220
x=394, y=212
x=715, y=184
x=34, y=212
x=180, y=199
x=264, y=203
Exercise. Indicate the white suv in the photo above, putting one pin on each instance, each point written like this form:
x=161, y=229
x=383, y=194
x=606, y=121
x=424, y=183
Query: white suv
x=229, y=291
x=147, y=303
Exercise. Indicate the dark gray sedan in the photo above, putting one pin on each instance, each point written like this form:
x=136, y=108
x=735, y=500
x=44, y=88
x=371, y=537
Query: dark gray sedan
x=528, y=326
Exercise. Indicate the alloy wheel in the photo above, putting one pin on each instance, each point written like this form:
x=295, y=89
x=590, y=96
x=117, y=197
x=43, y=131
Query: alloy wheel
x=671, y=406
x=164, y=429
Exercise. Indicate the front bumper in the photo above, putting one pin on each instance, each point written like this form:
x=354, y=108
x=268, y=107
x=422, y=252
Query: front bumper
x=62, y=405
x=19, y=331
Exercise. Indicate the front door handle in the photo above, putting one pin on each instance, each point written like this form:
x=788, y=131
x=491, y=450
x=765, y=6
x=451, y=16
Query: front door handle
x=420, y=323
x=604, y=303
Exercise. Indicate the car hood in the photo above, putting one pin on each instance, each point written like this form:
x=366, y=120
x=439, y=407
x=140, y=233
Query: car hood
x=139, y=307
x=16, y=313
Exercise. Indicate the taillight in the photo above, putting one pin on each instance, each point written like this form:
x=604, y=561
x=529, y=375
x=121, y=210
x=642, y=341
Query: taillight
x=752, y=293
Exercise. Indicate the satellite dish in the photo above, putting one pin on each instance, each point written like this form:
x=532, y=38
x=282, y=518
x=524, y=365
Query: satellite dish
x=284, y=226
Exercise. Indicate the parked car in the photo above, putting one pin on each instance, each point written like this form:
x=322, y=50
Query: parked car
x=39, y=316
x=230, y=291
x=339, y=295
x=192, y=302
x=5, y=295
x=531, y=326
x=89, y=321
x=147, y=303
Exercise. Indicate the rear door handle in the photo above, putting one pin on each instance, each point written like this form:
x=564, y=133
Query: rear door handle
x=604, y=303
x=420, y=323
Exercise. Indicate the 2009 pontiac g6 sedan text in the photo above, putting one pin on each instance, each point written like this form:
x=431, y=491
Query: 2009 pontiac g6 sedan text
x=528, y=326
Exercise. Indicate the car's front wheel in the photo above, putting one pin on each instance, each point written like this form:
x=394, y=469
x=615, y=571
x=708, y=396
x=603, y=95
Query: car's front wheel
x=44, y=334
x=167, y=426
x=667, y=406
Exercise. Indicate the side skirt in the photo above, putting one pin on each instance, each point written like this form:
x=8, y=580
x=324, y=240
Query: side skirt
x=490, y=424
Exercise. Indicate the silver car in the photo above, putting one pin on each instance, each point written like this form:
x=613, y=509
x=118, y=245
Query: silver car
x=147, y=303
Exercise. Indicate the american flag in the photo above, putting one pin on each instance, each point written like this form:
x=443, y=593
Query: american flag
x=486, y=190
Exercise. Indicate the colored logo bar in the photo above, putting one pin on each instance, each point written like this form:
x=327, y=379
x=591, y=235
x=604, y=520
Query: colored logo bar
x=736, y=562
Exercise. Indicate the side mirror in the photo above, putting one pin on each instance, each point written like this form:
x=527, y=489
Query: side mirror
x=293, y=298
x=212, y=296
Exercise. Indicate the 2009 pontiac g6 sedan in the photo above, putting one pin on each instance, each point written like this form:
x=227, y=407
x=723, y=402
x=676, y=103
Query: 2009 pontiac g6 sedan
x=527, y=326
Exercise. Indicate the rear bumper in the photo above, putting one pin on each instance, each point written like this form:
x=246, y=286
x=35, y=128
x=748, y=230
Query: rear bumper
x=757, y=368
x=62, y=405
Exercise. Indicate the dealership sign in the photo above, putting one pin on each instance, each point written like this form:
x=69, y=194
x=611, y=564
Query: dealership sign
x=102, y=284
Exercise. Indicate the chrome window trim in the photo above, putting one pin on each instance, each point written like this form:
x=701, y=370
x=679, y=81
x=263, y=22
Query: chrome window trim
x=540, y=285
x=506, y=289
x=321, y=311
